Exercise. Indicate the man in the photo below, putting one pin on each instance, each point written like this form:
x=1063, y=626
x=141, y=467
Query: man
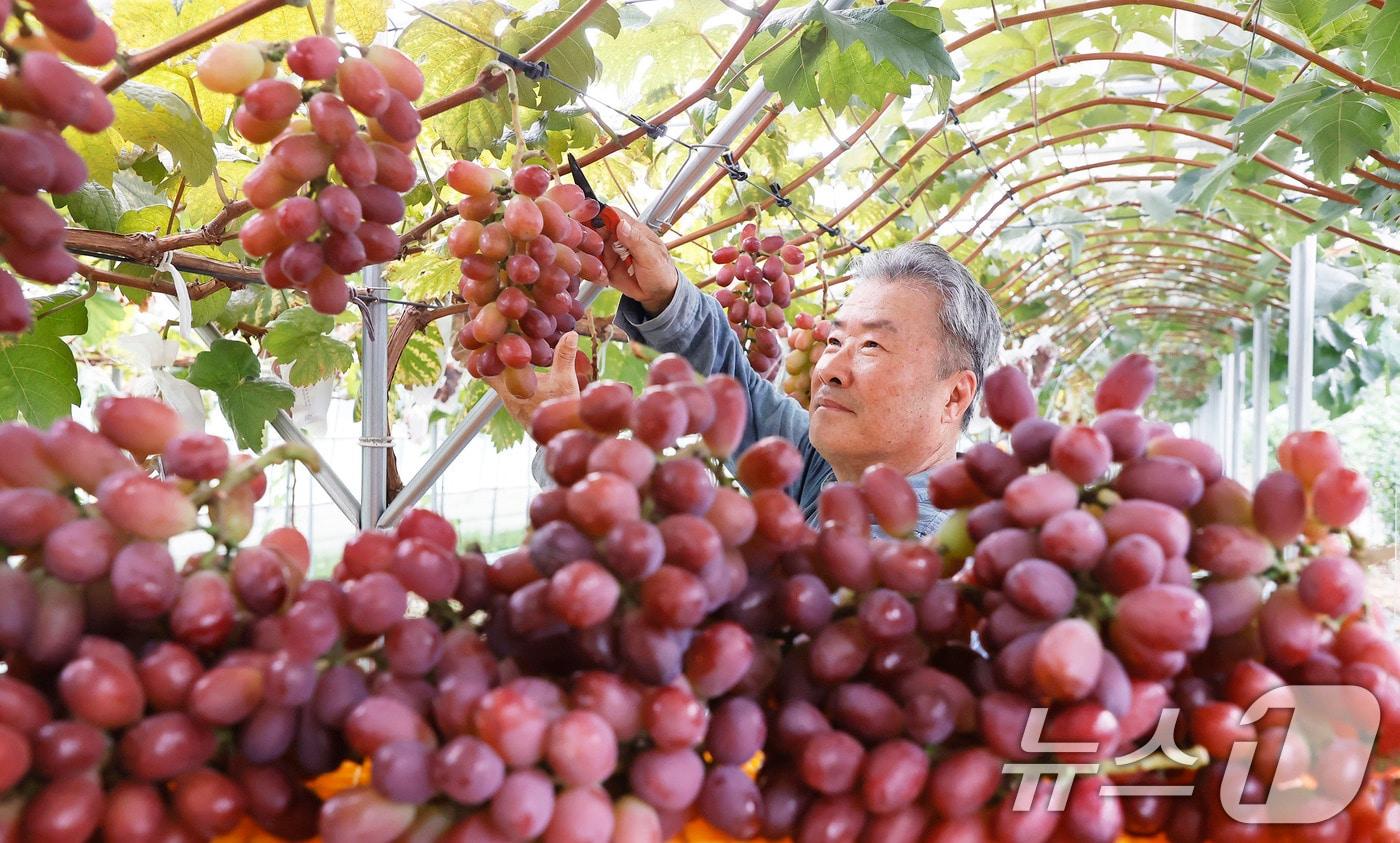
x=903, y=367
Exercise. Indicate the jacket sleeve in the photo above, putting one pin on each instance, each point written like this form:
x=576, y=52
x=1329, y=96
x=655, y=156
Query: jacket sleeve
x=694, y=326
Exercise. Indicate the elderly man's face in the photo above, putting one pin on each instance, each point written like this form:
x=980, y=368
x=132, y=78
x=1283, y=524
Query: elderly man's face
x=875, y=392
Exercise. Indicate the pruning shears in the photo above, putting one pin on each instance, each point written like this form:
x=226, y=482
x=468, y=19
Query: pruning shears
x=607, y=219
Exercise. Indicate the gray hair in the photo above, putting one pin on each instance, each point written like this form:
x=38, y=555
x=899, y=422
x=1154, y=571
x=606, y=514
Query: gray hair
x=967, y=314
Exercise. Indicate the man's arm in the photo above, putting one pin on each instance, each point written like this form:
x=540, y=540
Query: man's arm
x=694, y=326
x=668, y=313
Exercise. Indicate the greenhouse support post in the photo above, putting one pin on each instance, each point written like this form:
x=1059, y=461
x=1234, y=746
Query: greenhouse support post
x=374, y=398
x=1302, y=292
x=287, y=429
x=1237, y=410
x=1263, y=351
x=696, y=167
x=1228, y=396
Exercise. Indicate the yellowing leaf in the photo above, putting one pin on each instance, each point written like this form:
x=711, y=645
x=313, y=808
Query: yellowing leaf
x=98, y=151
x=426, y=275
x=145, y=23
x=421, y=361
x=150, y=116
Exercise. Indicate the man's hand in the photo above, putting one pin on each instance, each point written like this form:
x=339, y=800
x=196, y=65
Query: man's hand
x=653, y=277
x=558, y=381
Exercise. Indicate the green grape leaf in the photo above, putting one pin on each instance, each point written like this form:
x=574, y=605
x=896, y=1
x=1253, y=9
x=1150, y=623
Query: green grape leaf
x=150, y=116
x=38, y=375
x=572, y=60
x=421, y=362
x=425, y=275
x=1382, y=45
x=504, y=430
x=1157, y=205
x=211, y=307
x=300, y=337
x=902, y=34
x=1257, y=123
x=1302, y=15
x=1201, y=191
x=147, y=220
x=450, y=62
x=249, y=401
x=865, y=53
x=1339, y=129
x=791, y=70
x=1336, y=288
x=92, y=206
x=256, y=305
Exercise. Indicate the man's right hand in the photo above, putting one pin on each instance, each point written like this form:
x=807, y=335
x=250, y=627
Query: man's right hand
x=653, y=275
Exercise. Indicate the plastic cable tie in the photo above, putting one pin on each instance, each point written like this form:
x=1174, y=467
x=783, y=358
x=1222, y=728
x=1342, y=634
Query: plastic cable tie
x=182, y=296
x=732, y=167
x=529, y=69
x=652, y=130
x=778, y=197
x=376, y=441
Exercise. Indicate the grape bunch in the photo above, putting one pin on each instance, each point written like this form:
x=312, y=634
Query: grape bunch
x=675, y=647
x=1109, y=597
x=806, y=344
x=763, y=268
x=525, y=247
x=124, y=669
x=359, y=122
x=40, y=96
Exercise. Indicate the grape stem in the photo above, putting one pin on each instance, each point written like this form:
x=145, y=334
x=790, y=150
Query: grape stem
x=328, y=24
x=513, y=89
x=245, y=472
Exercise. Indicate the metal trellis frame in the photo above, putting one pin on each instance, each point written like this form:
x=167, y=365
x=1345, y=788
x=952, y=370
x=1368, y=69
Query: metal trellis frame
x=374, y=398
x=1262, y=353
x=1301, y=300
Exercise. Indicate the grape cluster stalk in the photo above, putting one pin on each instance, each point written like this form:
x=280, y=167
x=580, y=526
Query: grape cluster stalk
x=755, y=278
x=350, y=115
x=806, y=345
x=525, y=248
x=674, y=647
x=42, y=94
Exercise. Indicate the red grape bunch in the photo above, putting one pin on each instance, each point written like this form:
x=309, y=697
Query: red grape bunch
x=806, y=344
x=756, y=282
x=665, y=649
x=358, y=122
x=525, y=247
x=1108, y=596
x=123, y=671
x=41, y=95
x=628, y=651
